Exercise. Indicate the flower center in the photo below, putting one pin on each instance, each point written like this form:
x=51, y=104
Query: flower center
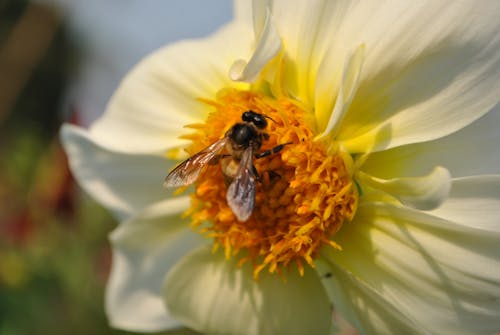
x=303, y=193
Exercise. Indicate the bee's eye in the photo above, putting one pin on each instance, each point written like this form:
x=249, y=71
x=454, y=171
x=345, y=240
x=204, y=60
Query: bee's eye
x=258, y=120
x=248, y=116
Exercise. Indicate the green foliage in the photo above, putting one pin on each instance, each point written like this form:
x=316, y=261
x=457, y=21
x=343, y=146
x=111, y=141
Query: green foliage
x=54, y=254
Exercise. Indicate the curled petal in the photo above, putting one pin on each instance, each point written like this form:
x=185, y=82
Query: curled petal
x=268, y=46
x=474, y=202
x=423, y=193
x=348, y=87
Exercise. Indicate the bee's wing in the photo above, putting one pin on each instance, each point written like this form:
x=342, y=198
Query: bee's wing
x=188, y=171
x=240, y=195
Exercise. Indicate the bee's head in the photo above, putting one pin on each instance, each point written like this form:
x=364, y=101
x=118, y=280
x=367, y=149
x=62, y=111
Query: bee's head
x=258, y=120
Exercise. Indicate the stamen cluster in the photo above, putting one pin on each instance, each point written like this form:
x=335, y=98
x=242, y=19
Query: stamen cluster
x=304, y=195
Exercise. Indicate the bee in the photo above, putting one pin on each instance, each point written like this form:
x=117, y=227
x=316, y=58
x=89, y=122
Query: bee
x=235, y=152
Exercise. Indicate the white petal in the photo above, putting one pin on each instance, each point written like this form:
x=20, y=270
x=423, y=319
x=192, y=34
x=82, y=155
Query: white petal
x=123, y=183
x=348, y=87
x=260, y=16
x=242, y=11
x=425, y=193
x=144, y=249
x=158, y=97
x=474, y=202
x=433, y=275
x=212, y=295
x=473, y=150
x=308, y=29
x=431, y=68
x=268, y=46
x=362, y=305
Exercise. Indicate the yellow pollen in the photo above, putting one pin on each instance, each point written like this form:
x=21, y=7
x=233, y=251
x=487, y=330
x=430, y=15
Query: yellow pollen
x=304, y=195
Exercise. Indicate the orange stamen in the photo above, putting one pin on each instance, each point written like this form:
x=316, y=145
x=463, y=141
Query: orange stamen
x=305, y=194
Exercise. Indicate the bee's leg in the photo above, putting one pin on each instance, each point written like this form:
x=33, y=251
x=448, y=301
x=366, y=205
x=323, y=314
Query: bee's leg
x=273, y=175
x=258, y=177
x=274, y=150
x=268, y=178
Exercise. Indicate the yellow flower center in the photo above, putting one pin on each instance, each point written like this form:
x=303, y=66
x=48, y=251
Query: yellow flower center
x=303, y=195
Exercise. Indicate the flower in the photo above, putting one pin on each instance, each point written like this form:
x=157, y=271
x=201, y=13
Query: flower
x=383, y=202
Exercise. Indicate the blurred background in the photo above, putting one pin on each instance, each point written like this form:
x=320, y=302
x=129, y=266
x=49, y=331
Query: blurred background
x=60, y=61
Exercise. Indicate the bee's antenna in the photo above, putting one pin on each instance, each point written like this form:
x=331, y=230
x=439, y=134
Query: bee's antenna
x=268, y=117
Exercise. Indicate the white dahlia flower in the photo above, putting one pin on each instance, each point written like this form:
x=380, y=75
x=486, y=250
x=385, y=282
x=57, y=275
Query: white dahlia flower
x=380, y=199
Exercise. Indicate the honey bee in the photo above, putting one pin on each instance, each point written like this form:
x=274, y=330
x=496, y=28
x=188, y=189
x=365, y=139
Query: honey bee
x=235, y=152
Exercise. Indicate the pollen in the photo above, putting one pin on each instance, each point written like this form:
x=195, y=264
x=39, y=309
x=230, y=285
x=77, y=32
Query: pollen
x=304, y=193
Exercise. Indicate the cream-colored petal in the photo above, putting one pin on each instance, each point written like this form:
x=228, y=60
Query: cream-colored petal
x=308, y=29
x=213, y=296
x=433, y=275
x=348, y=87
x=425, y=193
x=473, y=202
x=242, y=11
x=361, y=305
x=473, y=150
x=144, y=249
x=268, y=46
x=123, y=183
x=431, y=68
x=153, y=103
x=260, y=16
